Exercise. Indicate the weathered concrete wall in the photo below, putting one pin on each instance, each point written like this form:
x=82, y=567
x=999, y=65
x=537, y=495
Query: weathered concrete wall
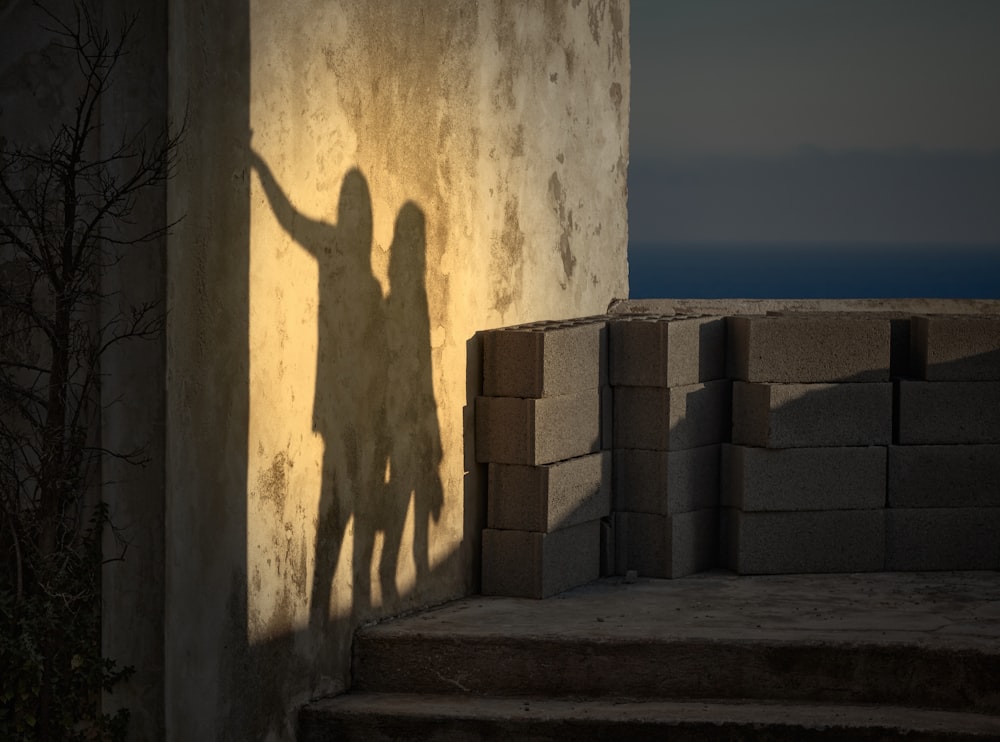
x=40, y=84
x=366, y=186
x=135, y=391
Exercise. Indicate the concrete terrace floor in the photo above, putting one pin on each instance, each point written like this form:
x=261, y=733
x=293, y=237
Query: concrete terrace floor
x=955, y=610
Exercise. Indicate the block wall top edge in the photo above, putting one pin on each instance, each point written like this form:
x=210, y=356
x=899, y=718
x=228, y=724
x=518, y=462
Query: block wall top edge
x=736, y=305
x=833, y=314
x=814, y=384
x=958, y=317
x=548, y=325
x=819, y=314
x=779, y=317
x=652, y=318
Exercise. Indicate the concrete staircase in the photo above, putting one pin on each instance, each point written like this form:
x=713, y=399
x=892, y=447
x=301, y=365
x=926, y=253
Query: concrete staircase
x=712, y=656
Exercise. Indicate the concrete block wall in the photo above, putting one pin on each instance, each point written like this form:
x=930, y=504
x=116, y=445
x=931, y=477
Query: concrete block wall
x=803, y=483
x=671, y=414
x=943, y=505
x=541, y=430
x=782, y=443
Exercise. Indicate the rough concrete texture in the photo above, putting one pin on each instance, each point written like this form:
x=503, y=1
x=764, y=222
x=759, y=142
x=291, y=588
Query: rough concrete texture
x=549, y=497
x=666, y=482
x=808, y=348
x=443, y=717
x=351, y=223
x=652, y=350
x=956, y=348
x=731, y=307
x=802, y=542
x=511, y=430
x=608, y=549
x=899, y=337
x=944, y=476
x=133, y=379
x=897, y=311
x=832, y=478
x=948, y=412
x=810, y=415
x=942, y=538
x=667, y=545
x=546, y=359
x=607, y=418
x=528, y=564
x=670, y=419
x=921, y=640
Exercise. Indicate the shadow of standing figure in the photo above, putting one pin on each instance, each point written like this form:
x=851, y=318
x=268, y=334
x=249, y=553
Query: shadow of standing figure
x=416, y=455
x=349, y=407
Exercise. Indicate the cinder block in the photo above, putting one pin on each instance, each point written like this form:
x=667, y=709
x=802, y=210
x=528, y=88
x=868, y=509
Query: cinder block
x=899, y=352
x=956, y=348
x=949, y=412
x=965, y=476
x=808, y=348
x=668, y=545
x=537, y=431
x=550, y=496
x=942, y=539
x=528, y=564
x=803, y=542
x=834, y=478
x=608, y=550
x=666, y=482
x=899, y=336
x=545, y=359
x=674, y=418
x=657, y=350
x=810, y=415
x=607, y=418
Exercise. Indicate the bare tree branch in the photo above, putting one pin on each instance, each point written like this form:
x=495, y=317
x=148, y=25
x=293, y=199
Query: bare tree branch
x=68, y=212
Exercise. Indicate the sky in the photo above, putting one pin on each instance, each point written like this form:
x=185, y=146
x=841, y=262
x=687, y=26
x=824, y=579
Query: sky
x=815, y=121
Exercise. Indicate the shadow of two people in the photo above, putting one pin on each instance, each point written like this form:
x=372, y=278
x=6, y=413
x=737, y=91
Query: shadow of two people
x=374, y=402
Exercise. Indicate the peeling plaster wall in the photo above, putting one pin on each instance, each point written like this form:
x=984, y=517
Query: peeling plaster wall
x=365, y=187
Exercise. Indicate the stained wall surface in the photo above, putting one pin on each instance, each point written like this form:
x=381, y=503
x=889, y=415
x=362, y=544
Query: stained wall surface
x=365, y=186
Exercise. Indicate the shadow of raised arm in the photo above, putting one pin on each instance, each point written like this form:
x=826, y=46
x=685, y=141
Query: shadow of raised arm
x=297, y=224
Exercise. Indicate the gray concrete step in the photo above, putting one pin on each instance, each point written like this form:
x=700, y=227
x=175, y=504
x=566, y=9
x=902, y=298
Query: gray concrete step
x=374, y=717
x=820, y=644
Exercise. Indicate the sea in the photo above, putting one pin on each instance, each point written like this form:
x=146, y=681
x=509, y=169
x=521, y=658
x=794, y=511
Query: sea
x=832, y=270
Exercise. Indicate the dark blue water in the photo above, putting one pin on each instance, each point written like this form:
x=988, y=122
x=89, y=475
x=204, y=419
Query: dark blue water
x=813, y=271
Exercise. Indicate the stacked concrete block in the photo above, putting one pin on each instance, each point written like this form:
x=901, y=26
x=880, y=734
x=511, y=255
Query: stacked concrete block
x=955, y=348
x=529, y=564
x=812, y=415
x=899, y=336
x=803, y=542
x=949, y=412
x=549, y=497
x=543, y=429
x=944, y=474
x=773, y=443
x=538, y=431
x=802, y=348
x=671, y=413
x=803, y=483
x=668, y=545
x=667, y=351
x=764, y=480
